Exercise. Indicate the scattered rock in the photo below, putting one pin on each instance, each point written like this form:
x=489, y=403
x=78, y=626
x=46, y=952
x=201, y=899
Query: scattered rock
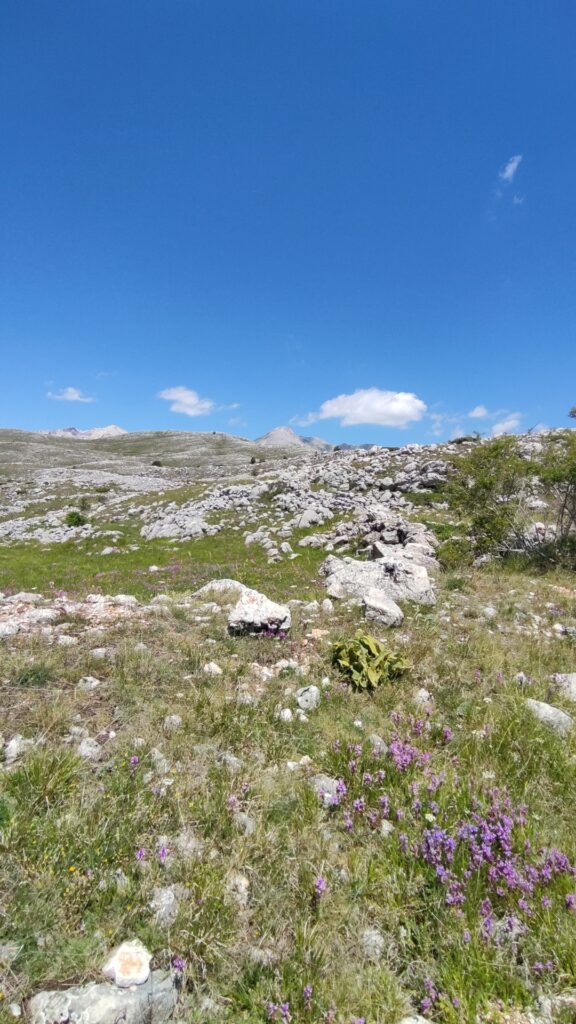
x=381, y=608
x=90, y=749
x=550, y=715
x=399, y=579
x=96, y=1003
x=128, y=965
x=256, y=613
x=212, y=669
x=308, y=698
x=165, y=905
x=172, y=723
x=372, y=943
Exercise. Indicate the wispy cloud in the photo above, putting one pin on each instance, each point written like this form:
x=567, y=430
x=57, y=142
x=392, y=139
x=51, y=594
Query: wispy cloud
x=69, y=395
x=479, y=412
x=448, y=424
x=509, y=170
x=508, y=425
x=369, y=406
x=187, y=401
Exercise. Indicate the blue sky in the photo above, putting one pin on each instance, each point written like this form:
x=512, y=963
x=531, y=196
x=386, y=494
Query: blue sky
x=357, y=216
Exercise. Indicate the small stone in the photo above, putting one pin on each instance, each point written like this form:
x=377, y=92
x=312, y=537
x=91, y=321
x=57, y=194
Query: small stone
x=308, y=698
x=422, y=696
x=372, y=943
x=90, y=749
x=239, y=888
x=88, y=683
x=327, y=606
x=285, y=715
x=244, y=822
x=172, y=723
x=212, y=669
x=566, y=683
x=128, y=965
x=326, y=788
x=379, y=746
x=16, y=748
x=165, y=906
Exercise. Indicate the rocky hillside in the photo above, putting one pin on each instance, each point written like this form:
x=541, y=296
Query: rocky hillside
x=287, y=733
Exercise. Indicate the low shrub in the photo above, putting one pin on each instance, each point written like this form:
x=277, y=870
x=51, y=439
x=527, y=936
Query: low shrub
x=75, y=518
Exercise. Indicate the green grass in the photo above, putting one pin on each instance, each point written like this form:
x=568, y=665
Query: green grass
x=70, y=880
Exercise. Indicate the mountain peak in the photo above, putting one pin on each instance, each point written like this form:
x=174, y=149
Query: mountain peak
x=86, y=435
x=285, y=437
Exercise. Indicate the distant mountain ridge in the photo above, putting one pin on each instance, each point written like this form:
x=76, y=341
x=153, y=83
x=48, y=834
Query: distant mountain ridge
x=86, y=435
x=285, y=437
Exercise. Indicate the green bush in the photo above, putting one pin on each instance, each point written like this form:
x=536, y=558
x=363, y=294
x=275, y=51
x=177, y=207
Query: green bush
x=366, y=661
x=455, y=553
x=75, y=518
x=488, y=486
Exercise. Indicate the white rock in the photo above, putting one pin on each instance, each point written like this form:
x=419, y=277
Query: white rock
x=379, y=746
x=254, y=613
x=326, y=788
x=16, y=747
x=212, y=669
x=422, y=696
x=165, y=905
x=128, y=964
x=381, y=608
x=401, y=580
x=239, y=888
x=106, y=1004
x=372, y=943
x=550, y=715
x=90, y=749
x=172, y=723
x=188, y=845
x=566, y=683
x=88, y=683
x=285, y=715
x=308, y=698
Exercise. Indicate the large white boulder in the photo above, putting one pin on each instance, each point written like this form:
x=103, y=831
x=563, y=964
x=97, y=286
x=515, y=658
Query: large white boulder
x=256, y=613
x=398, y=578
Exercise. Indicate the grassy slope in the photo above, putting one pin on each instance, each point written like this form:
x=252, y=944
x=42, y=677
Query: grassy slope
x=67, y=828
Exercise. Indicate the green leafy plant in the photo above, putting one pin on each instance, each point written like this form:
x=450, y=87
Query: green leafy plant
x=366, y=661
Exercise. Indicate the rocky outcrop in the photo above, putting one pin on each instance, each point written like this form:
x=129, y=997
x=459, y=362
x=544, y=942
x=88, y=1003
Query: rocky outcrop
x=394, y=576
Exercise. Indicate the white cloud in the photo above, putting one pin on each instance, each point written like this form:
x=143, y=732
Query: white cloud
x=186, y=401
x=518, y=200
x=478, y=412
x=370, y=406
x=508, y=425
x=69, y=395
x=509, y=170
